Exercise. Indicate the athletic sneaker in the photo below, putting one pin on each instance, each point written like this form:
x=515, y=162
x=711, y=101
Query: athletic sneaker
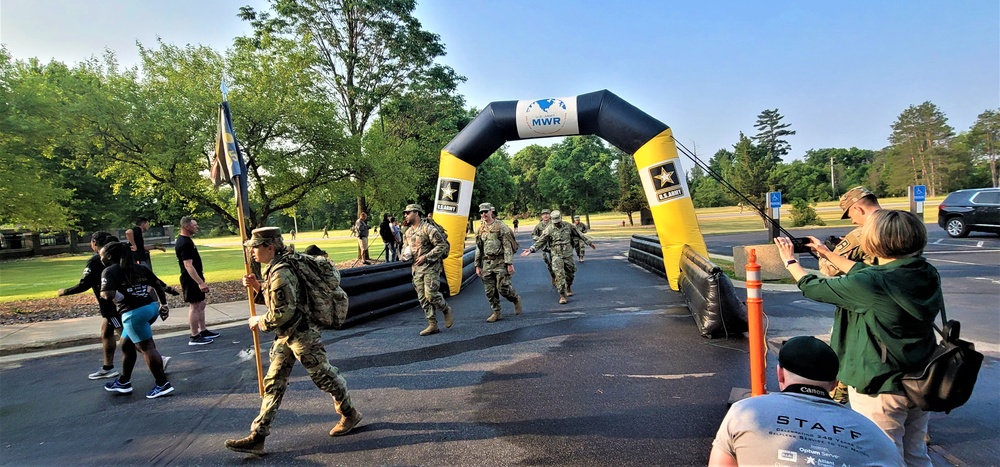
x=158, y=391
x=102, y=373
x=209, y=334
x=199, y=340
x=116, y=386
x=166, y=361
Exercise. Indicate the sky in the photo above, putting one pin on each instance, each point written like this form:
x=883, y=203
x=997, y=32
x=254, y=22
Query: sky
x=839, y=72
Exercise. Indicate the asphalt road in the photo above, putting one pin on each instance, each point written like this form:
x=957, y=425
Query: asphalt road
x=619, y=376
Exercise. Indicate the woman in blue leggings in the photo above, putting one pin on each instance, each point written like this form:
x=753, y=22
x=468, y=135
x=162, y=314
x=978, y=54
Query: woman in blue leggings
x=128, y=284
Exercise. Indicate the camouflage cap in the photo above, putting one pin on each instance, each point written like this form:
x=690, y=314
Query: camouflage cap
x=414, y=207
x=546, y=211
x=486, y=207
x=556, y=216
x=264, y=236
x=853, y=196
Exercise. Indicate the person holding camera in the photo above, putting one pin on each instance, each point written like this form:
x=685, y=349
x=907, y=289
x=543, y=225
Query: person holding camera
x=886, y=329
x=128, y=285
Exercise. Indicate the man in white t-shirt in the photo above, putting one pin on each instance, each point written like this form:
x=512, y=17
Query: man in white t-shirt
x=801, y=424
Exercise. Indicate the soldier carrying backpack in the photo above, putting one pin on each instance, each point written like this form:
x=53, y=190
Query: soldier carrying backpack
x=292, y=309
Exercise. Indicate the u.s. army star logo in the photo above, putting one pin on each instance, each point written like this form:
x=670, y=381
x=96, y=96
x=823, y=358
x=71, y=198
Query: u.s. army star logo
x=448, y=196
x=666, y=181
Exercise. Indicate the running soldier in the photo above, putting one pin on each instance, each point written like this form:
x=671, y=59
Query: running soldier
x=426, y=246
x=494, y=261
x=546, y=253
x=578, y=245
x=295, y=338
x=558, y=236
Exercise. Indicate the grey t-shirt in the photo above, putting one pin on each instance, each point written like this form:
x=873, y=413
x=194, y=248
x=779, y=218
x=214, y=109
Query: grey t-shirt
x=789, y=428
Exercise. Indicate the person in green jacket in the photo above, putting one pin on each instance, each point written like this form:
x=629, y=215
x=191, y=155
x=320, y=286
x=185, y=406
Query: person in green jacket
x=888, y=328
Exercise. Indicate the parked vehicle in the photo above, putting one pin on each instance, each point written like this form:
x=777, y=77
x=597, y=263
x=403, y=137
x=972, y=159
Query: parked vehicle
x=974, y=210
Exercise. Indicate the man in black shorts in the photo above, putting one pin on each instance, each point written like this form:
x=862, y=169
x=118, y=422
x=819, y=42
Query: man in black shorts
x=193, y=283
x=91, y=280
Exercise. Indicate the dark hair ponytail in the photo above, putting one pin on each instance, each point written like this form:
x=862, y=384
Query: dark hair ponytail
x=120, y=253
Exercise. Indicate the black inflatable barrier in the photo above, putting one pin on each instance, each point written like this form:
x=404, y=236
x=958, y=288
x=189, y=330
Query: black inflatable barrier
x=382, y=289
x=711, y=297
x=647, y=253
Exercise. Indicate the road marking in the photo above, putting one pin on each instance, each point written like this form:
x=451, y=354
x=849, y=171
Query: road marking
x=979, y=244
x=667, y=377
x=958, y=252
x=938, y=241
x=955, y=262
x=986, y=279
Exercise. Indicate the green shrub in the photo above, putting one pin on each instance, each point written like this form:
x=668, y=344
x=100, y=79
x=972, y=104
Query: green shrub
x=803, y=214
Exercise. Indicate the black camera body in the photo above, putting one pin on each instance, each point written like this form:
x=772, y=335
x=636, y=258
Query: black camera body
x=800, y=245
x=832, y=241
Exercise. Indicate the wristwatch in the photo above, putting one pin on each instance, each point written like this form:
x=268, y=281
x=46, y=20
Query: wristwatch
x=790, y=262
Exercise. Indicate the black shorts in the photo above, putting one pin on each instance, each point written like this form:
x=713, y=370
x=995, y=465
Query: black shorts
x=190, y=291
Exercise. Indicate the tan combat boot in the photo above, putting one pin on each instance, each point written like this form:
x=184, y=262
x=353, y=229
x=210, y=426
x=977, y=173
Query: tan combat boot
x=517, y=306
x=494, y=317
x=347, y=423
x=562, y=299
x=448, y=318
x=569, y=290
x=432, y=328
x=253, y=444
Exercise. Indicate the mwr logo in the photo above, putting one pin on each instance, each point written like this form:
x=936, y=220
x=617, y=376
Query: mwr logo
x=547, y=117
x=666, y=181
x=448, y=195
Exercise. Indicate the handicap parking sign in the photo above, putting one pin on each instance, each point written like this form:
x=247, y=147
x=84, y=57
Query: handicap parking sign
x=775, y=197
x=919, y=193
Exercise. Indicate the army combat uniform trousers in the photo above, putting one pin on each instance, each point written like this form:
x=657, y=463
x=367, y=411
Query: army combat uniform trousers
x=304, y=344
x=427, y=282
x=496, y=281
x=563, y=268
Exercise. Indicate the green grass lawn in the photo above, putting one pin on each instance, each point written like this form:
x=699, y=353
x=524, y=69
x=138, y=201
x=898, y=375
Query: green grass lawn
x=41, y=277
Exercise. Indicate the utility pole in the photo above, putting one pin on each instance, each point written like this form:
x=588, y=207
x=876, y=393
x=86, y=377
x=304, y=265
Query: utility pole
x=833, y=181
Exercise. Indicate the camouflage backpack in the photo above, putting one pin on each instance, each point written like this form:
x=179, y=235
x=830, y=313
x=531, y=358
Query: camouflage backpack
x=430, y=221
x=325, y=300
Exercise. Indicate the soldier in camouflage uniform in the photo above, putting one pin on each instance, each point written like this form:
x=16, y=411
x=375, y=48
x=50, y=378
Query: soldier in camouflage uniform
x=295, y=338
x=578, y=245
x=426, y=246
x=858, y=204
x=558, y=236
x=495, y=250
x=546, y=253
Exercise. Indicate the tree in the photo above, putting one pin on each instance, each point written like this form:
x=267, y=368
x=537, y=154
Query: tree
x=155, y=126
x=920, y=138
x=526, y=166
x=365, y=51
x=985, y=141
x=494, y=183
x=770, y=132
x=749, y=171
x=631, y=197
x=578, y=175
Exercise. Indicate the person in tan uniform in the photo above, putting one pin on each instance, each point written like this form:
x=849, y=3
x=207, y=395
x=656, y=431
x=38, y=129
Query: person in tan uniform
x=295, y=338
x=858, y=204
x=495, y=249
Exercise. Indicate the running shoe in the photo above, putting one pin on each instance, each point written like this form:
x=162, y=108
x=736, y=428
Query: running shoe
x=102, y=373
x=119, y=387
x=158, y=391
x=166, y=361
x=199, y=340
x=209, y=334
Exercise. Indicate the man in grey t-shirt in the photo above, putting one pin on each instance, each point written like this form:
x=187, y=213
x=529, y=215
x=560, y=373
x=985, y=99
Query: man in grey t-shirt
x=801, y=424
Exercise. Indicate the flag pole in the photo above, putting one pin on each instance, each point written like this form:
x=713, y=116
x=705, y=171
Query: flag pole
x=249, y=270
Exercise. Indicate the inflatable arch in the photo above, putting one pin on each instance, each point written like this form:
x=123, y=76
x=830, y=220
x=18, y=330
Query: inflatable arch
x=598, y=113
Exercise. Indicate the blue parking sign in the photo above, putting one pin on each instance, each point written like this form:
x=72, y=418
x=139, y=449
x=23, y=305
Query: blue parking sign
x=775, y=197
x=920, y=193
